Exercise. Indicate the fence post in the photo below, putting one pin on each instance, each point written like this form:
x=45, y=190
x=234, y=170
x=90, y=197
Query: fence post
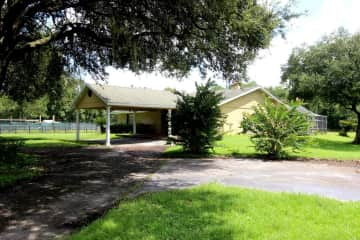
x=29, y=129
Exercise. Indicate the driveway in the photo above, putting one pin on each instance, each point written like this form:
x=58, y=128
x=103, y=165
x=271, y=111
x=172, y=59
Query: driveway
x=328, y=180
x=80, y=184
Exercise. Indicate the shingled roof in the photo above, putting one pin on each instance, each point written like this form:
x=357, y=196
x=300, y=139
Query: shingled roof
x=144, y=98
x=127, y=97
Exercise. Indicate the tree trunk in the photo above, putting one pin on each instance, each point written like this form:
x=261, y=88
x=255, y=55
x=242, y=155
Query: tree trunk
x=357, y=134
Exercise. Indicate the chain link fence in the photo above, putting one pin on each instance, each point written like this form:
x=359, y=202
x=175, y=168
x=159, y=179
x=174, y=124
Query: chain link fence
x=29, y=127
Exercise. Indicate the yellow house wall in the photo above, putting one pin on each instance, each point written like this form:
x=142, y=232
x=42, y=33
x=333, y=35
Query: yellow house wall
x=121, y=118
x=234, y=111
x=90, y=102
x=150, y=117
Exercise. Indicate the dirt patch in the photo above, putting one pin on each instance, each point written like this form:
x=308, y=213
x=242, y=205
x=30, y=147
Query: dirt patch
x=79, y=185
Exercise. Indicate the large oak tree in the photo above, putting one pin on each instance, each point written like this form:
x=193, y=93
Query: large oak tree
x=171, y=36
x=329, y=70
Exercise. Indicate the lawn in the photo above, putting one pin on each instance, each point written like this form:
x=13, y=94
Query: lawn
x=321, y=146
x=25, y=167
x=217, y=212
x=57, y=139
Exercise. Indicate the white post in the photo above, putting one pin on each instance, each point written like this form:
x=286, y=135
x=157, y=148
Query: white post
x=77, y=125
x=134, y=122
x=169, y=123
x=108, y=126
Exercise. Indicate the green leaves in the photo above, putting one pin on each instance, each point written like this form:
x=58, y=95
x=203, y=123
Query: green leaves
x=328, y=71
x=171, y=36
x=197, y=119
x=276, y=128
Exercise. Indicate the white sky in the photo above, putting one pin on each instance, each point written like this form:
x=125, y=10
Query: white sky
x=323, y=17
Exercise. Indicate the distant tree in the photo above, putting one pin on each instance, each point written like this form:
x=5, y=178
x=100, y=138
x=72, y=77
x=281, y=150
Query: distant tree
x=33, y=76
x=329, y=70
x=275, y=129
x=33, y=109
x=280, y=92
x=197, y=118
x=172, y=36
x=7, y=107
x=58, y=102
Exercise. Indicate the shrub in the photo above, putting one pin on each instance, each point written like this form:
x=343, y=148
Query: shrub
x=101, y=121
x=347, y=126
x=197, y=119
x=276, y=128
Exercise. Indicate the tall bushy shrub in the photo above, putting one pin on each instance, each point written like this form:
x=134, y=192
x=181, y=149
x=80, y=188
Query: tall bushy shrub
x=276, y=128
x=197, y=119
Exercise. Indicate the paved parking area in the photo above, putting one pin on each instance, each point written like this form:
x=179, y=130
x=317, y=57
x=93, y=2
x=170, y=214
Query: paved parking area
x=339, y=182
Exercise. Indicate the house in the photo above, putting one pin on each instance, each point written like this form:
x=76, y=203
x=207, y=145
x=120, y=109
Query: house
x=151, y=107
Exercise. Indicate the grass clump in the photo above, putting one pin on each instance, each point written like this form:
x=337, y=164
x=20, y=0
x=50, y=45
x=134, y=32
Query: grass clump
x=217, y=212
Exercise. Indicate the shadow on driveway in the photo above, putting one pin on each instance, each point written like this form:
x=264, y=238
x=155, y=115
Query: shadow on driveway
x=80, y=184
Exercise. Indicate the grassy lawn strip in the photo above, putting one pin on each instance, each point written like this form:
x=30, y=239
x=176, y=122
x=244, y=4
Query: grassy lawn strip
x=322, y=146
x=26, y=167
x=217, y=212
x=56, y=139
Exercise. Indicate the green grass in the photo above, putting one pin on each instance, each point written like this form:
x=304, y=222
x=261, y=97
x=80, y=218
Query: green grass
x=57, y=139
x=25, y=167
x=217, y=212
x=321, y=146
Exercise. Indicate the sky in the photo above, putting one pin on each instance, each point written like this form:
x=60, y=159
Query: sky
x=322, y=17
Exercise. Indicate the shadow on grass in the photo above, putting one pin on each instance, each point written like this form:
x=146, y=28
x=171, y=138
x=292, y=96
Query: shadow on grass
x=187, y=214
x=335, y=145
x=54, y=141
x=45, y=142
x=215, y=212
x=25, y=167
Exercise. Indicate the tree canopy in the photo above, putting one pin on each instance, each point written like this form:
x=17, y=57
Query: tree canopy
x=171, y=36
x=329, y=70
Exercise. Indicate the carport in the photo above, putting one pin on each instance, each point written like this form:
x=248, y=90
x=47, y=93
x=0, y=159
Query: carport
x=114, y=98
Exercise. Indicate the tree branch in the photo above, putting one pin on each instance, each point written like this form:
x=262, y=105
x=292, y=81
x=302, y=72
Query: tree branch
x=67, y=30
x=354, y=108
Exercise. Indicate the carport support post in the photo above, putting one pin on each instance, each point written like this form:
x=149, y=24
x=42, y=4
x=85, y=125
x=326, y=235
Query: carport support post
x=169, y=123
x=77, y=125
x=169, y=126
x=108, y=126
x=134, y=122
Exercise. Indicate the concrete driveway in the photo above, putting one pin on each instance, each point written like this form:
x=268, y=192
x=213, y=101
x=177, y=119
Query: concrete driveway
x=339, y=182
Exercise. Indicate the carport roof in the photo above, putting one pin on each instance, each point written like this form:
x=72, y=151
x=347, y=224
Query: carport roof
x=125, y=98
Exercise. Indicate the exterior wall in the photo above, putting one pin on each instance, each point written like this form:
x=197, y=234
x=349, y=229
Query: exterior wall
x=149, y=117
x=90, y=102
x=234, y=111
x=121, y=118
